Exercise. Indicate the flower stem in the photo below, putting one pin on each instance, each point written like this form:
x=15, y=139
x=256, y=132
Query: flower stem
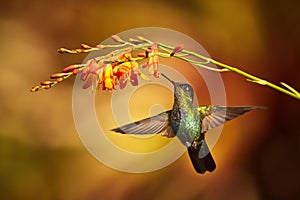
x=168, y=51
x=289, y=91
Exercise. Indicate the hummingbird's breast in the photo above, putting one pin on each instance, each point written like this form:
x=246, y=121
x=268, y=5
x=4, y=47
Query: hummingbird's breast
x=185, y=122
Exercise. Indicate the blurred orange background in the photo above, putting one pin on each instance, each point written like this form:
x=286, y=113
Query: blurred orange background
x=42, y=157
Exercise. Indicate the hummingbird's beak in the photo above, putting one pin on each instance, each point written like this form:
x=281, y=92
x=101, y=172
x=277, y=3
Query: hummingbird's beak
x=168, y=78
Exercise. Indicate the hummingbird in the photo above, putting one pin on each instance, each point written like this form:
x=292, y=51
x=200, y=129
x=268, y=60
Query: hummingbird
x=189, y=123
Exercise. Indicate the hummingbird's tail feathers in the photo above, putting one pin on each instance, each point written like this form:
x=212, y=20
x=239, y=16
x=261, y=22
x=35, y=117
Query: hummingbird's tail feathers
x=151, y=125
x=201, y=158
x=214, y=116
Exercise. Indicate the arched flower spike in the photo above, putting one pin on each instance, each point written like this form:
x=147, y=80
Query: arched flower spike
x=105, y=72
x=119, y=67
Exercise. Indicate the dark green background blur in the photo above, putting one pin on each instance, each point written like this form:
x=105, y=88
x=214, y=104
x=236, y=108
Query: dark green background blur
x=41, y=156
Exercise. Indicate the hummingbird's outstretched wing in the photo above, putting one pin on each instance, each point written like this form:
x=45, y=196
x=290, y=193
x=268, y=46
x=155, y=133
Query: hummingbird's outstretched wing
x=213, y=116
x=152, y=125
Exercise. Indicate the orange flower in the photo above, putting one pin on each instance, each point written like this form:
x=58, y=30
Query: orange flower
x=108, y=79
x=125, y=72
x=110, y=72
x=152, y=62
x=116, y=68
x=131, y=77
x=91, y=72
x=128, y=71
x=124, y=64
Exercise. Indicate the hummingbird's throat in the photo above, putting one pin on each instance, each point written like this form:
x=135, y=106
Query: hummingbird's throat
x=183, y=98
x=183, y=102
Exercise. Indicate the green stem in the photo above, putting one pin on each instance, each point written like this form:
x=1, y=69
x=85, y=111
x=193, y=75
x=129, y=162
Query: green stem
x=292, y=93
x=199, y=64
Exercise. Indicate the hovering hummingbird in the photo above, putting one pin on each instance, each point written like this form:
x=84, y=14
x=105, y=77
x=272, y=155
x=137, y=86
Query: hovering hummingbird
x=189, y=123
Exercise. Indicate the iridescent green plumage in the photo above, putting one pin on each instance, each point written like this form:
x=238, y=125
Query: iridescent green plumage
x=188, y=123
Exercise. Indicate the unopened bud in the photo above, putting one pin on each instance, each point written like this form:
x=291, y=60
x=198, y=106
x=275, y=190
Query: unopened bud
x=46, y=82
x=35, y=88
x=58, y=75
x=117, y=39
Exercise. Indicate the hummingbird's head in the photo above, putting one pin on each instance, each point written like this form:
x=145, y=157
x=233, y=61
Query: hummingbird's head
x=183, y=92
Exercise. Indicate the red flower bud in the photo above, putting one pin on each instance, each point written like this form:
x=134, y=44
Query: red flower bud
x=177, y=49
x=35, y=88
x=141, y=55
x=75, y=71
x=85, y=46
x=59, y=80
x=117, y=39
x=71, y=68
x=58, y=75
x=46, y=82
x=61, y=50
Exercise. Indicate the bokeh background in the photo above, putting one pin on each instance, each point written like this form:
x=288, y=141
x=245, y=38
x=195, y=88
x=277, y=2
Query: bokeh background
x=41, y=155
